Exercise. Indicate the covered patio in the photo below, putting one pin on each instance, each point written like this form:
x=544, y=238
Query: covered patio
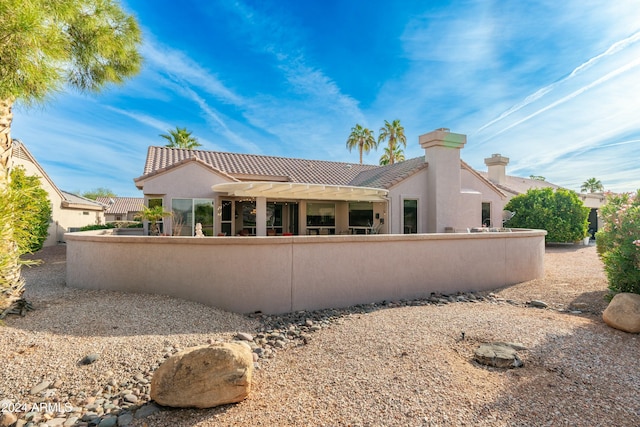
x=261, y=208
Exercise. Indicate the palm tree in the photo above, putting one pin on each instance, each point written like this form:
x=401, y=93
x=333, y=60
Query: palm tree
x=46, y=45
x=181, y=138
x=363, y=139
x=592, y=185
x=397, y=155
x=394, y=133
x=153, y=215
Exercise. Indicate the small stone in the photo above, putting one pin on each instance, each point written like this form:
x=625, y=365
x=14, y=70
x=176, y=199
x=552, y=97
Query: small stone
x=89, y=359
x=56, y=422
x=538, y=304
x=138, y=377
x=7, y=419
x=71, y=421
x=131, y=398
x=40, y=387
x=243, y=336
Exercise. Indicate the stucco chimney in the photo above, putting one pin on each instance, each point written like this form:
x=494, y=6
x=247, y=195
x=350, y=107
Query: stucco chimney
x=442, y=152
x=496, y=165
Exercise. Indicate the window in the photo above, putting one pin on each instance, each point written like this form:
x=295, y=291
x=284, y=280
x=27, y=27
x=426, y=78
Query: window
x=188, y=212
x=486, y=214
x=321, y=214
x=274, y=217
x=410, y=216
x=360, y=214
x=226, y=217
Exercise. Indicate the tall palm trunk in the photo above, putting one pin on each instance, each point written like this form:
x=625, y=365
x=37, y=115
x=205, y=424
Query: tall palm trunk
x=11, y=281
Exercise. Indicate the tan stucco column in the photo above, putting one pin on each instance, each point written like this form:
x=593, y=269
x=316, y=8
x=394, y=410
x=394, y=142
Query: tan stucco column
x=442, y=153
x=261, y=216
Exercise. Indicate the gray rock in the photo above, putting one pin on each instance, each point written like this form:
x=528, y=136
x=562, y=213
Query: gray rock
x=538, y=304
x=40, y=387
x=146, y=410
x=498, y=355
x=108, y=422
x=89, y=359
x=125, y=419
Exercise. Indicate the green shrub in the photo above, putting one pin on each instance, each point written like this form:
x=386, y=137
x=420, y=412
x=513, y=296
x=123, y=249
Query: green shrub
x=98, y=227
x=560, y=212
x=32, y=208
x=618, y=241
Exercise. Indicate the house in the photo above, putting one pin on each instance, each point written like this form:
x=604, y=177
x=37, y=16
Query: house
x=244, y=194
x=514, y=185
x=121, y=208
x=69, y=211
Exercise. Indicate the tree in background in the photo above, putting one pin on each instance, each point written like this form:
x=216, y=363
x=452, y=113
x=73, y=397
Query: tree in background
x=537, y=177
x=33, y=211
x=181, y=138
x=560, y=212
x=46, y=45
x=592, y=185
x=362, y=139
x=397, y=156
x=618, y=241
x=393, y=133
x=98, y=192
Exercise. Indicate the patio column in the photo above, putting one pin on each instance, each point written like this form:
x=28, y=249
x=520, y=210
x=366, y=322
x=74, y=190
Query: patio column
x=442, y=153
x=261, y=216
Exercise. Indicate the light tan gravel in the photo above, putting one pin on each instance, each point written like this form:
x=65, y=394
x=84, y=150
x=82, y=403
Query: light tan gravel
x=403, y=366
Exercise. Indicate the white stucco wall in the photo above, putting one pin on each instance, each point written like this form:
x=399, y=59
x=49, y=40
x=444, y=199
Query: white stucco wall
x=489, y=195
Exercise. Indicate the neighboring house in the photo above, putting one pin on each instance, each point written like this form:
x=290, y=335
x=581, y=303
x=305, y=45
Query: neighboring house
x=121, y=208
x=244, y=194
x=69, y=212
x=514, y=185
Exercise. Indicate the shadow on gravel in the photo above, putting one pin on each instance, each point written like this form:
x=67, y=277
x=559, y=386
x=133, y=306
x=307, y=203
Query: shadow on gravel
x=585, y=378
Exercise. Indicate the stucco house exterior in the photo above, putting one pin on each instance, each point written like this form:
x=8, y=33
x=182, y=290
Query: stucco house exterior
x=243, y=194
x=512, y=186
x=69, y=211
x=121, y=208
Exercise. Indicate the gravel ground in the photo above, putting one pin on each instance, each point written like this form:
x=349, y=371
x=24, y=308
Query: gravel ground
x=391, y=364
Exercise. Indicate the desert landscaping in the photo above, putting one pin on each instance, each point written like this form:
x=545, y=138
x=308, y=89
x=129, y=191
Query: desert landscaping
x=85, y=358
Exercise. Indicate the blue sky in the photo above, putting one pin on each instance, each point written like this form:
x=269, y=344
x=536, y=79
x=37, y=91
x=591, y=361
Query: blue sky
x=553, y=85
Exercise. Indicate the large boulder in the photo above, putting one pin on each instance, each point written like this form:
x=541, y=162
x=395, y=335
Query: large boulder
x=204, y=376
x=623, y=312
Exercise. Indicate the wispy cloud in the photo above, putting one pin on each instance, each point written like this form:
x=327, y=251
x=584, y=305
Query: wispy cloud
x=540, y=93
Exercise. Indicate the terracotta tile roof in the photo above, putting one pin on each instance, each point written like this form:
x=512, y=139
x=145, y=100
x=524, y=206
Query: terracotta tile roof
x=258, y=167
x=121, y=205
x=387, y=176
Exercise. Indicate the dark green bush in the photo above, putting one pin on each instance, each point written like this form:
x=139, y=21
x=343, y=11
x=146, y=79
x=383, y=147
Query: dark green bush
x=618, y=241
x=560, y=212
x=98, y=227
x=33, y=210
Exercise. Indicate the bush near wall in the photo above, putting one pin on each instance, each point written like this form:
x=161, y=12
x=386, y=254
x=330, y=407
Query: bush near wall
x=32, y=211
x=560, y=212
x=618, y=241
